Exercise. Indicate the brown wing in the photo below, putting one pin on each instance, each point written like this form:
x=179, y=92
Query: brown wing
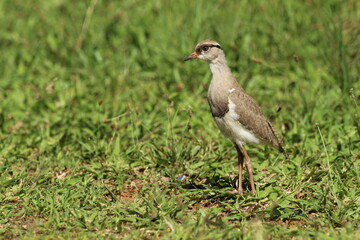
x=252, y=117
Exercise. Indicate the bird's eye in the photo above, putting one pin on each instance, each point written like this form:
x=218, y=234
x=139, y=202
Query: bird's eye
x=205, y=48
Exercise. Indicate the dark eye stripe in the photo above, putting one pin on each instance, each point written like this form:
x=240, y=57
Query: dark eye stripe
x=198, y=49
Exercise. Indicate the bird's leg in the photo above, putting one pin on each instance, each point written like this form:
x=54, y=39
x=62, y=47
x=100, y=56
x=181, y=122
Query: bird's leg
x=249, y=169
x=240, y=168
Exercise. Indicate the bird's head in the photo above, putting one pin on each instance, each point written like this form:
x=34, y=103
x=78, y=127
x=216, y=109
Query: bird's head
x=208, y=50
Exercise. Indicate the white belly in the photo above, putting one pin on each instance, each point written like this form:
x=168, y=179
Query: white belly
x=233, y=129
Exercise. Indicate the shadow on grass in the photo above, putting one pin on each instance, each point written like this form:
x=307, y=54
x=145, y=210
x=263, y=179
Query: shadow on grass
x=217, y=184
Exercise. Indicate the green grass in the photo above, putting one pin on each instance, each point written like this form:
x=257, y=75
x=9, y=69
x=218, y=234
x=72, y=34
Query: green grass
x=99, y=117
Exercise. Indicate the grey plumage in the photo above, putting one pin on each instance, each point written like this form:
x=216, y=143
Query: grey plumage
x=254, y=120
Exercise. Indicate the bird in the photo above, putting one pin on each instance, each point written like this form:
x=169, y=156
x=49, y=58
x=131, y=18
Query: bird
x=235, y=112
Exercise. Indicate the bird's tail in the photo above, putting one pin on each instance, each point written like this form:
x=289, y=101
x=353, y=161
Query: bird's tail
x=283, y=151
x=279, y=142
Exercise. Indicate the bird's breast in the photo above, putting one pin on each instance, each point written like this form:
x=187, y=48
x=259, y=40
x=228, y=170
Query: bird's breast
x=230, y=125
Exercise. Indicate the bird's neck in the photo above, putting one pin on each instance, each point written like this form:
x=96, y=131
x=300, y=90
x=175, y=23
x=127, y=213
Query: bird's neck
x=219, y=68
x=222, y=80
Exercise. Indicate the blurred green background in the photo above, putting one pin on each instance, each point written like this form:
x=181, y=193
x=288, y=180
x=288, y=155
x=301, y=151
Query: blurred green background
x=99, y=117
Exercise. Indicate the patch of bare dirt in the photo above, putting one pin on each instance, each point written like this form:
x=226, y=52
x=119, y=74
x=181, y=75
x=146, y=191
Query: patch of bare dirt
x=129, y=191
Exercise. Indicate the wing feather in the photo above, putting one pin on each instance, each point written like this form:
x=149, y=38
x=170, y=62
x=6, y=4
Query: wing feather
x=252, y=117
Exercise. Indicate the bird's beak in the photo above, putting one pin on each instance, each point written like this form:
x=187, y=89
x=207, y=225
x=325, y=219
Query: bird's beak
x=191, y=56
